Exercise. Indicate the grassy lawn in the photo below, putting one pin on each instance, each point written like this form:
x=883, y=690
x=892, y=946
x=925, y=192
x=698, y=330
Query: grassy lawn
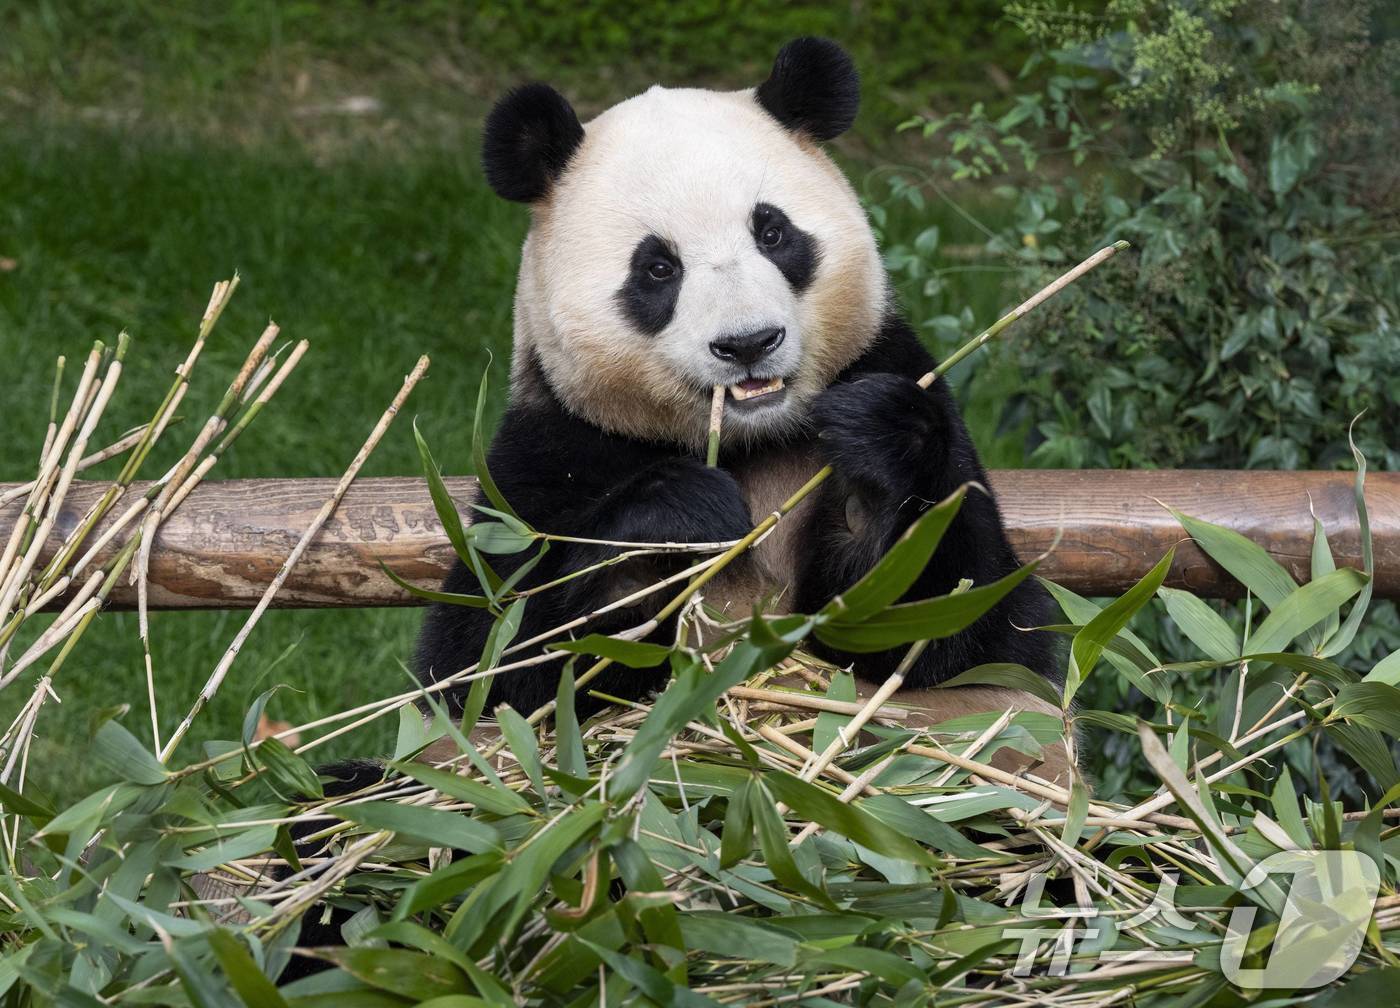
x=140, y=165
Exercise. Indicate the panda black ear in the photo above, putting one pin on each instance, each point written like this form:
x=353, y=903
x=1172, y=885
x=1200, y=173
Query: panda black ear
x=528, y=140
x=814, y=88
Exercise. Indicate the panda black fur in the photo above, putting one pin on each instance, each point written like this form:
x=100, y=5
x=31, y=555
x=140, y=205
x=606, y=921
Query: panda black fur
x=582, y=450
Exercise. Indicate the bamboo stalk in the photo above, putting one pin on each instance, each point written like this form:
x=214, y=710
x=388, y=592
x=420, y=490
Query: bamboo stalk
x=216, y=678
x=716, y=418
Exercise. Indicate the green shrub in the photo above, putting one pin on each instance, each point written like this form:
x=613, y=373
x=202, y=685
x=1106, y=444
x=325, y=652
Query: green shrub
x=1225, y=141
x=1245, y=149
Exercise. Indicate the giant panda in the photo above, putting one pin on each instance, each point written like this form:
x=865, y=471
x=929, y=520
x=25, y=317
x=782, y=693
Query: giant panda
x=681, y=240
x=685, y=239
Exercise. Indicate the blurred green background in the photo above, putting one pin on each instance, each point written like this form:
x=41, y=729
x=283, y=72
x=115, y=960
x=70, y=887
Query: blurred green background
x=329, y=153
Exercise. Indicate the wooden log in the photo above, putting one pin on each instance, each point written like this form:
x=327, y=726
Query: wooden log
x=222, y=547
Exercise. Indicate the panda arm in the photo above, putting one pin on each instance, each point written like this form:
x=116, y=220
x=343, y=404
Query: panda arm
x=896, y=449
x=566, y=477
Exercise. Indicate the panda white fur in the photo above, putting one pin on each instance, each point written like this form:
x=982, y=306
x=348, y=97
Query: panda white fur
x=685, y=239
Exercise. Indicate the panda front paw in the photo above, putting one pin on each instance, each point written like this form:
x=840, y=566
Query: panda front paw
x=680, y=500
x=881, y=432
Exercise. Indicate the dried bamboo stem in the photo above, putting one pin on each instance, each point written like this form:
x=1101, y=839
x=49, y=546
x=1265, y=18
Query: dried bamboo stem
x=211, y=687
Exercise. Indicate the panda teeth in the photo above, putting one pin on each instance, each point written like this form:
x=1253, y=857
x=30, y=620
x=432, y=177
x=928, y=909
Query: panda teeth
x=740, y=393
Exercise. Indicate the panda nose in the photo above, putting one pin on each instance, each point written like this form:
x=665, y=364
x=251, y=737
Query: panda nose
x=748, y=348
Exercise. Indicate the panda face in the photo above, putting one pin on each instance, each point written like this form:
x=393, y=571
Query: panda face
x=690, y=239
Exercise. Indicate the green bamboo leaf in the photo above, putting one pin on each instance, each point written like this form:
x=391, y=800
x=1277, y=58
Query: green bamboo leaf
x=287, y=772
x=1322, y=563
x=501, y=900
x=255, y=712
x=399, y=971
x=83, y=816
x=18, y=804
x=498, y=538
x=1089, y=643
x=1369, y=748
x=652, y=984
x=773, y=840
x=201, y=985
x=447, y=883
x=1076, y=813
x=471, y=712
x=1306, y=607
x=512, y=521
x=434, y=827
x=734, y=937
x=443, y=503
x=842, y=687
x=633, y=654
x=238, y=966
x=502, y=632
x=522, y=570
x=412, y=734
x=930, y=619
x=115, y=935
x=694, y=692
x=736, y=841
x=485, y=574
x=428, y=594
x=520, y=736
x=1367, y=836
x=1111, y=720
x=849, y=819
x=1247, y=562
x=568, y=740
x=1372, y=987
x=1006, y=674
x=418, y=937
x=1372, y=704
x=1387, y=670
x=483, y=474
x=1194, y=800
x=120, y=751
x=899, y=567
x=1286, y=812
x=472, y=707
x=238, y=844
x=648, y=899
x=872, y=962
x=1344, y=635
x=500, y=801
x=1127, y=652
x=1202, y=625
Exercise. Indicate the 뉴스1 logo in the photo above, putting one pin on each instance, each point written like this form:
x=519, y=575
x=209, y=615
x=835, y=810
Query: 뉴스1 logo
x=1319, y=916
x=1321, y=924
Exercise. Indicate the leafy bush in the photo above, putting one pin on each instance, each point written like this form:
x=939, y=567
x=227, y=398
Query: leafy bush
x=1227, y=141
x=1246, y=150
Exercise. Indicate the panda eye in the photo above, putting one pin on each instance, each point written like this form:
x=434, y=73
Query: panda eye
x=772, y=236
x=661, y=270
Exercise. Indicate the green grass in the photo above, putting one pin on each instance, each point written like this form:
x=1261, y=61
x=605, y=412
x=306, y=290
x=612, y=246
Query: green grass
x=138, y=169
x=373, y=262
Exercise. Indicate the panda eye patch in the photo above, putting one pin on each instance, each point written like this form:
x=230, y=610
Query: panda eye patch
x=652, y=285
x=785, y=245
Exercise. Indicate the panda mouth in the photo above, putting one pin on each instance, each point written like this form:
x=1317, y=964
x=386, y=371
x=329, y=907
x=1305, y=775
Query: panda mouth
x=755, y=388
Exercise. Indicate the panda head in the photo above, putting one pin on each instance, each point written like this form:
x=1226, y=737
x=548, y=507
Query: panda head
x=685, y=239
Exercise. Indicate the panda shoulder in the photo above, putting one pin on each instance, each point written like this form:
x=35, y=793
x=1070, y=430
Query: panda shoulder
x=896, y=349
